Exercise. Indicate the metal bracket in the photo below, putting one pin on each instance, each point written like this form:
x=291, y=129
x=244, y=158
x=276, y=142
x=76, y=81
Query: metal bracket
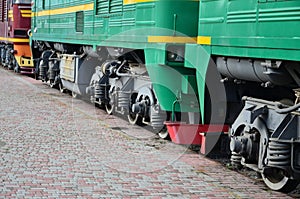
x=262, y=110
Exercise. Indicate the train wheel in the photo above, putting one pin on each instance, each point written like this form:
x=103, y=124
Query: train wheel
x=163, y=133
x=276, y=180
x=110, y=104
x=17, y=67
x=52, y=84
x=75, y=95
x=109, y=108
x=36, y=76
x=61, y=88
x=134, y=119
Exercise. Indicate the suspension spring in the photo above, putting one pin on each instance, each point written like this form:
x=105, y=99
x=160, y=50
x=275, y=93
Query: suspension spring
x=102, y=91
x=236, y=160
x=7, y=57
x=42, y=70
x=157, y=119
x=52, y=74
x=124, y=99
x=97, y=93
x=278, y=154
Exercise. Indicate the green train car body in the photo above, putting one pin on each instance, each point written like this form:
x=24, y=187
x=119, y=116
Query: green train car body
x=262, y=29
x=135, y=24
x=253, y=48
x=92, y=22
x=259, y=29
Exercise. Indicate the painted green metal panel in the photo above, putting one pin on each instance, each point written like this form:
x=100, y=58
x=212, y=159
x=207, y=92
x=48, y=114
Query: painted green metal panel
x=176, y=82
x=244, y=28
x=198, y=57
x=111, y=17
x=110, y=23
x=252, y=28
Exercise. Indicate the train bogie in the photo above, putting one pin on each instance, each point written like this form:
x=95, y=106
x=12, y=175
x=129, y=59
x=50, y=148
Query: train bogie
x=264, y=136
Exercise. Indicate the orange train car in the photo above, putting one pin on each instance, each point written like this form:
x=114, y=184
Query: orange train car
x=15, y=21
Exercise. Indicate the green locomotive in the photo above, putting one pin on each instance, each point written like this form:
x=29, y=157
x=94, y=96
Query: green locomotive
x=185, y=64
x=255, y=46
x=72, y=38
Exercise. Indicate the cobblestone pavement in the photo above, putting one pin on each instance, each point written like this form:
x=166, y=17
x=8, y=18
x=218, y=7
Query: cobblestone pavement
x=53, y=146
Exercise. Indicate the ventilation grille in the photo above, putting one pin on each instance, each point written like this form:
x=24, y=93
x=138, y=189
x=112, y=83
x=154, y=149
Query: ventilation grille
x=3, y=10
x=115, y=6
x=109, y=6
x=102, y=7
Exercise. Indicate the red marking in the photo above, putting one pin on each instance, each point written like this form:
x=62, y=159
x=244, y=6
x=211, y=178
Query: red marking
x=182, y=133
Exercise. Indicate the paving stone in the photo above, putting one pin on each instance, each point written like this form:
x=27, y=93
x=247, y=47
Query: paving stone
x=53, y=146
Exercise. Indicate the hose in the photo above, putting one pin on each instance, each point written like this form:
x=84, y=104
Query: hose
x=278, y=105
x=286, y=110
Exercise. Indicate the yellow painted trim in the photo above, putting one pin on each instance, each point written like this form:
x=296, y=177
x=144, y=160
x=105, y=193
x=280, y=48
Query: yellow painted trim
x=11, y=15
x=204, y=40
x=26, y=15
x=15, y=40
x=26, y=11
x=171, y=39
x=28, y=63
x=59, y=11
x=125, y=2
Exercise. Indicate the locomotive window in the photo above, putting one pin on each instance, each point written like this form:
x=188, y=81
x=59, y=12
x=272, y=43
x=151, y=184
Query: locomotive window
x=79, y=21
x=20, y=33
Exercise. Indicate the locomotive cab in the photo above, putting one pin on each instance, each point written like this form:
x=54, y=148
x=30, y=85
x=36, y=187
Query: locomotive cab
x=15, y=23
